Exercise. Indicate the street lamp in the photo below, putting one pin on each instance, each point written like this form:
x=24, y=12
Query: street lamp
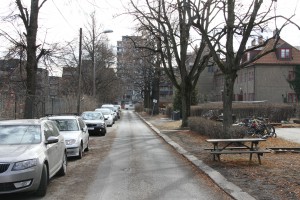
x=94, y=61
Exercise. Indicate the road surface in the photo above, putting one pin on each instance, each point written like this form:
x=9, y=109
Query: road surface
x=131, y=163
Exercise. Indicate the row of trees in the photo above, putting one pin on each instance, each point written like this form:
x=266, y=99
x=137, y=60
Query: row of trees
x=97, y=79
x=171, y=30
x=215, y=31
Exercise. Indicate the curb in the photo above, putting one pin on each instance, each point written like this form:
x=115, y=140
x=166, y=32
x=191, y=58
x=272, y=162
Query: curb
x=230, y=188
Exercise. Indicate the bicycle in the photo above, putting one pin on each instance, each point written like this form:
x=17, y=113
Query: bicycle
x=259, y=127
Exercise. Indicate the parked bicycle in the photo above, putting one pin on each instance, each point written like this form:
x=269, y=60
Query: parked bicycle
x=259, y=127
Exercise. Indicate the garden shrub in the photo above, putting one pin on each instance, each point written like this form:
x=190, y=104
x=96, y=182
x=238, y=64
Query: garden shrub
x=275, y=112
x=213, y=129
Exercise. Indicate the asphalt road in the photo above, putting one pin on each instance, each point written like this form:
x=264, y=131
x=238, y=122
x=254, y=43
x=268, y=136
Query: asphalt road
x=141, y=166
x=130, y=163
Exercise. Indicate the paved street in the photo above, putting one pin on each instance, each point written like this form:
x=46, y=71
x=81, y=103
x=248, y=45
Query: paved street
x=142, y=166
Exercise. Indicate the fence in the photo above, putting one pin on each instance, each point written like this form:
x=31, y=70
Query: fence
x=12, y=106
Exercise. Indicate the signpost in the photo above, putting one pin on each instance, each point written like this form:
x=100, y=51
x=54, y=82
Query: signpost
x=154, y=102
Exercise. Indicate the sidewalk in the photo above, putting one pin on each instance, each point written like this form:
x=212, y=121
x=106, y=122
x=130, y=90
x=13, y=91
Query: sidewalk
x=290, y=134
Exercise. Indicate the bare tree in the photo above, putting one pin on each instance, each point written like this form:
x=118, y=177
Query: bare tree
x=99, y=79
x=170, y=23
x=30, y=22
x=235, y=20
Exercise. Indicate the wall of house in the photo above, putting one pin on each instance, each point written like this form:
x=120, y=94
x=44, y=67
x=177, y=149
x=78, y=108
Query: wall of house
x=271, y=82
x=206, y=86
x=244, y=85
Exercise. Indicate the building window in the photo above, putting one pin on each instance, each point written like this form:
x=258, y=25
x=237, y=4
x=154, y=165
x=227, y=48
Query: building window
x=292, y=98
x=285, y=53
x=251, y=76
x=292, y=75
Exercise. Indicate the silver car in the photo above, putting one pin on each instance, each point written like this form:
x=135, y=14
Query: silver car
x=75, y=133
x=108, y=115
x=95, y=122
x=31, y=152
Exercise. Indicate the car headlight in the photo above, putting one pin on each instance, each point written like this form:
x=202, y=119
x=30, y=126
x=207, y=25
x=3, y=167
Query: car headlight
x=70, y=142
x=24, y=164
x=101, y=124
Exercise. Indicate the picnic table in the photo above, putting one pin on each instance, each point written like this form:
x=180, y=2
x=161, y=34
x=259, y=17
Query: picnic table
x=237, y=146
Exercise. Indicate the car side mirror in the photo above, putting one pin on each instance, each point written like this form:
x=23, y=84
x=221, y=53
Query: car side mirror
x=52, y=140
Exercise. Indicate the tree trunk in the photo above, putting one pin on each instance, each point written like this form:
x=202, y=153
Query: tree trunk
x=29, y=111
x=155, y=89
x=31, y=25
x=146, y=98
x=186, y=92
x=227, y=100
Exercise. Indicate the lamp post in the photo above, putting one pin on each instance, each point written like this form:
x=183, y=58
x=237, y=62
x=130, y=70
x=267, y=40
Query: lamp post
x=94, y=60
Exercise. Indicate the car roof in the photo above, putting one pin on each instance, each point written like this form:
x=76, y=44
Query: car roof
x=92, y=111
x=22, y=122
x=98, y=109
x=107, y=105
x=63, y=117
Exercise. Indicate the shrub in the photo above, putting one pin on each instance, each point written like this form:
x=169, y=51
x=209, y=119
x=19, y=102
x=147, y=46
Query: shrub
x=138, y=107
x=213, y=129
x=275, y=112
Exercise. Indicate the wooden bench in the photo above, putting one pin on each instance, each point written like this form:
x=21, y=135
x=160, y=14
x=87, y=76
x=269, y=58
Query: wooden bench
x=258, y=152
x=229, y=147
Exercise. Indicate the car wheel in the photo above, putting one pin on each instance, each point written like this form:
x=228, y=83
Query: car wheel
x=63, y=168
x=80, y=152
x=42, y=189
x=87, y=147
x=103, y=132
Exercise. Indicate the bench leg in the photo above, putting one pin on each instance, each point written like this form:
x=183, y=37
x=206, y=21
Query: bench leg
x=218, y=157
x=258, y=156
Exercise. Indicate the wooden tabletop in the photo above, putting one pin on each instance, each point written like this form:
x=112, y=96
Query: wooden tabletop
x=236, y=140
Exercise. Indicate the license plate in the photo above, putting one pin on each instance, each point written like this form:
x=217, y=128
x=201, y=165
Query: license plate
x=90, y=128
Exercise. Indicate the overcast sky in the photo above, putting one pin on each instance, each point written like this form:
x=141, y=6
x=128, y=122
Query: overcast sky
x=69, y=17
x=63, y=18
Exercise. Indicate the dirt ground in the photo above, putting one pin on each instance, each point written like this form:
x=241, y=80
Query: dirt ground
x=277, y=178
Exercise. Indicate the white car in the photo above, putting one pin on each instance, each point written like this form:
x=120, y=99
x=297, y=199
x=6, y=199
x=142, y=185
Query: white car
x=31, y=152
x=75, y=132
x=113, y=108
x=108, y=115
x=95, y=122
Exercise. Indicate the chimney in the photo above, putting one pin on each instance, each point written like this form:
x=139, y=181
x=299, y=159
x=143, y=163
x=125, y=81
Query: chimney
x=260, y=39
x=275, y=32
x=253, y=42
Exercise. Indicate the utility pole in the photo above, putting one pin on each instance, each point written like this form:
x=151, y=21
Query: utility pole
x=79, y=72
x=94, y=60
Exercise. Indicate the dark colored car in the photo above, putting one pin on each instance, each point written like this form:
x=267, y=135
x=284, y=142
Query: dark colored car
x=95, y=122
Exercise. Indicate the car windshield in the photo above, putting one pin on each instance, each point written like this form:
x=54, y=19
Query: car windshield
x=91, y=115
x=105, y=111
x=20, y=134
x=67, y=124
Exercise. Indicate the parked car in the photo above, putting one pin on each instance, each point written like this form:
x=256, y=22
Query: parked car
x=113, y=108
x=108, y=115
x=75, y=132
x=31, y=152
x=95, y=122
x=118, y=109
x=128, y=106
